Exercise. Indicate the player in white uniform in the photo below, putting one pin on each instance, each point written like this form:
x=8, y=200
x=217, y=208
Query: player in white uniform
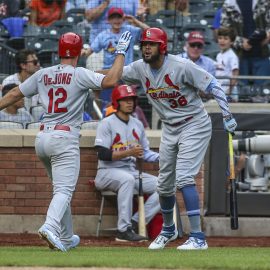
x=120, y=140
x=172, y=87
x=63, y=90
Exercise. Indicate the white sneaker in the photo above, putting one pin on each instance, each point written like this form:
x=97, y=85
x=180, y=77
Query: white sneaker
x=52, y=240
x=163, y=239
x=74, y=242
x=194, y=244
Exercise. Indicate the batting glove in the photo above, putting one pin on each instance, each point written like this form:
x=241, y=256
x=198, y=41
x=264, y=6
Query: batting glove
x=123, y=43
x=229, y=123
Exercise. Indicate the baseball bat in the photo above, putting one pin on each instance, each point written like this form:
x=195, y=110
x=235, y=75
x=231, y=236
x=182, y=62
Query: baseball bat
x=141, y=225
x=233, y=195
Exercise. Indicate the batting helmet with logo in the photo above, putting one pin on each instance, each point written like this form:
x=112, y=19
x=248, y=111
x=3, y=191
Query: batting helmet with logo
x=70, y=45
x=158, y=35
x=120, y=92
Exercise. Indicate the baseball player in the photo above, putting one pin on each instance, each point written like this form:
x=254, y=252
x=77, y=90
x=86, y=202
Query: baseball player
x=63, y=90
x=172, y=86
x=120, y=140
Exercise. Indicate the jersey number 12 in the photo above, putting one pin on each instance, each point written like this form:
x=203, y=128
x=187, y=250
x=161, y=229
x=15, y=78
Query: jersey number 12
x=55, y=100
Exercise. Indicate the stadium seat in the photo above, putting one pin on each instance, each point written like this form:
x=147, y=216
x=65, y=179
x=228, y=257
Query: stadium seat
x=198, y=6
x=10, y=125
x=17, y=43
x=32, y=125
x=75, y=15
x=37, y=112
x=104, y=194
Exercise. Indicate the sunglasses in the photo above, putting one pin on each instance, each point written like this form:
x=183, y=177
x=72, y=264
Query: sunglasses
x=35, y=62
x=198, y=45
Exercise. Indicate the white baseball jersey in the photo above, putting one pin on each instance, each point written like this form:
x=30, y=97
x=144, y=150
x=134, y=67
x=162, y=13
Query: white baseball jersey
x=173, y=90
x=117, y=135
x=226, y=62
x=63, y=91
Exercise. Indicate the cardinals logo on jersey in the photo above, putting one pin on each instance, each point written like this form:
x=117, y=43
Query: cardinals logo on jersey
x=170, y=83
x=135, y=135
x=117, y=139
x=118, y=145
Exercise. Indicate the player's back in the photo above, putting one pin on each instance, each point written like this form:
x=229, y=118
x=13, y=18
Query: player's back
x=61, y=95
x=63, y=90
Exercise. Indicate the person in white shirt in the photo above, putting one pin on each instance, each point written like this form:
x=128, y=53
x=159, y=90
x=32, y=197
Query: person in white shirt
x=13, y=112
x=27, y=64
x=227, y=63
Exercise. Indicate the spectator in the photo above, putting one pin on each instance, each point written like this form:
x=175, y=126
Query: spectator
x=107, y=40
x=251, y=20
x=194, y=52
x=227, y=63
x=120, y=141
x=97, y=13
x=13, y=112
x=45, y=12
x=11, y=8
x=27, y=64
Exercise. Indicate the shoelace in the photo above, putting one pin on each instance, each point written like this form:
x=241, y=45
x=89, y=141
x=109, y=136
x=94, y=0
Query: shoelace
x=196, y=241
x=162, y=236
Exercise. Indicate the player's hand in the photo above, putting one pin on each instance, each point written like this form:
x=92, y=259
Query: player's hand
x=136, y=151
x=229, y=123
x=123, y=43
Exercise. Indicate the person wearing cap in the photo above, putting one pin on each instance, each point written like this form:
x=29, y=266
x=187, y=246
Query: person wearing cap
x=194, y=51
x=106, y=41
x=97, y=13
x=120, y=142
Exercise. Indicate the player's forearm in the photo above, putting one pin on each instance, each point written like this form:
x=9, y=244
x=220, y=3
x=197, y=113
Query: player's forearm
x=140, y=24
x=115, y=72
x=220, y=97
x=151, y=156
x=120, y=154
x=13, y=96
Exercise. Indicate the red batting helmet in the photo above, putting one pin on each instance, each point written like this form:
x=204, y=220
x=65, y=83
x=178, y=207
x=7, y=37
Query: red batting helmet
x=120, y=92
x=158, y=35
x=70, y=45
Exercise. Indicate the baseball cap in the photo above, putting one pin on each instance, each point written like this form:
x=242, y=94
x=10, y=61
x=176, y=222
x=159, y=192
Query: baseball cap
x=115, y=10
x=195, y=37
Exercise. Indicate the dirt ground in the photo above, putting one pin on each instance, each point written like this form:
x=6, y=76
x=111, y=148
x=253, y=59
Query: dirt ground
x=34, y=240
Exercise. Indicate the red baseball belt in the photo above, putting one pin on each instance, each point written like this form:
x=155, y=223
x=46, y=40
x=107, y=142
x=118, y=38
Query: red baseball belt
x=56, y=127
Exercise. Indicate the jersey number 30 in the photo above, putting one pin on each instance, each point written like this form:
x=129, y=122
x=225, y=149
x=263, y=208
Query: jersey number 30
x=55, y=100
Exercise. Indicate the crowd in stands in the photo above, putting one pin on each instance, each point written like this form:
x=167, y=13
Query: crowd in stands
x=238, y=43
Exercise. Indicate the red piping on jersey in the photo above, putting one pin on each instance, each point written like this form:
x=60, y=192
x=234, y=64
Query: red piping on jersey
x=136, y=136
